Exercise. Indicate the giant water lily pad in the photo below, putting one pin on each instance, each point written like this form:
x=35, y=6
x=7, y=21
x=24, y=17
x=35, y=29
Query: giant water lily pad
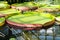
x=4, y=5
x=26, y=6
x=58, y=20
x=51, y=8
x=31, y=19
x=9, y=12
x=2, y=21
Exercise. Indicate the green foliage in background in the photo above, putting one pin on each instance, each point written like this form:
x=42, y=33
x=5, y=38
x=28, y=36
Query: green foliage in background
x=56, y=1
x=45, y=1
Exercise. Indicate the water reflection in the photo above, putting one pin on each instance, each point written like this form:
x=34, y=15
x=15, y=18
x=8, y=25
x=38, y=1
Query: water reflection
x=52, y=33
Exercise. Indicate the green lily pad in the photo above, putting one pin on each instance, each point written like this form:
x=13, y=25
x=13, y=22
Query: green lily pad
x=32, y=18
x=4, y=5
x=2, y=21
x=52, y=7
x=58, y=18
x=28, y=4
x=9, y=12
x=44, y=5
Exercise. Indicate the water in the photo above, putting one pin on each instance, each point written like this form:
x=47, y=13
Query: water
x=52, y=33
